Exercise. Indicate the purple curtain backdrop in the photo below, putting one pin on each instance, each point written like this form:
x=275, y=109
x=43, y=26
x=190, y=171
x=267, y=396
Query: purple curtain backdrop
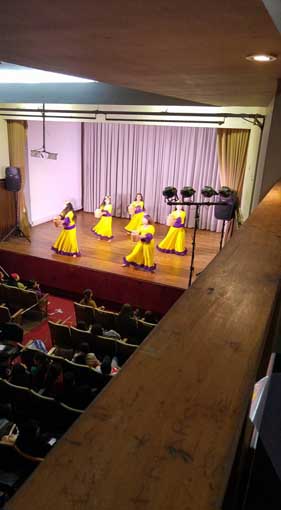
x=121, y=159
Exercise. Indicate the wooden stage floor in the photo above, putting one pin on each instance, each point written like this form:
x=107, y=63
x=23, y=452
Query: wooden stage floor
x=171, y=270
x=104, y=257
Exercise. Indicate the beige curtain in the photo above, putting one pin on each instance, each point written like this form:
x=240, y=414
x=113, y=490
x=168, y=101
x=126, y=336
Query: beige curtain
x=17, y=139
x=232, y=147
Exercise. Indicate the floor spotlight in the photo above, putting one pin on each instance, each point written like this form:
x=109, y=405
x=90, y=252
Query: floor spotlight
x=170, y=192
x=208, y=192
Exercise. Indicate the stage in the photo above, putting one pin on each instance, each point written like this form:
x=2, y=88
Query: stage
x=100, y=266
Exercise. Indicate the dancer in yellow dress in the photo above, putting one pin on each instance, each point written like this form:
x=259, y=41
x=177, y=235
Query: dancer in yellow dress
x=174, y=242
x=66, y=243
x=103, y=229
x=142, y=256
x=137, y=206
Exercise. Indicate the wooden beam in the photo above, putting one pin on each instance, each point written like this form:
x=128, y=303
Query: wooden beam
x=164, y=433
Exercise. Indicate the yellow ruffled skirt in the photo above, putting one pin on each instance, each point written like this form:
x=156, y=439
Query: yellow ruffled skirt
x=174, y=242
x=66, y=243
x=135, y=222
x=103, y=228
x=142, y=256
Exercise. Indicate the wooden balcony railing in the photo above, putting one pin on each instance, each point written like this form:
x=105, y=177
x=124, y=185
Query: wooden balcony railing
x=164, y=434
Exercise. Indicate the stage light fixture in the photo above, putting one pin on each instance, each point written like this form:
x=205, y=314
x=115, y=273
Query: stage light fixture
x=42, y=152
x=170, y=192
x=208, y=192
x=187, y=192
x=225, y=191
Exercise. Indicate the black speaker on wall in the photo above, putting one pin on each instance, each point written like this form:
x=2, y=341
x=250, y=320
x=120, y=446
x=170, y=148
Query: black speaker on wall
x=13, y=178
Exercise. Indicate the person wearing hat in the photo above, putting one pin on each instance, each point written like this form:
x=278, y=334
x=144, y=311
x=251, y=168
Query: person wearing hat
x=14, y=281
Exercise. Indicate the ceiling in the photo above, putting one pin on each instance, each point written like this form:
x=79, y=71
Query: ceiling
x=193, y=50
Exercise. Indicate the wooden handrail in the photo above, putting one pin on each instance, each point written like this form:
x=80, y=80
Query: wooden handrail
x=163, y=435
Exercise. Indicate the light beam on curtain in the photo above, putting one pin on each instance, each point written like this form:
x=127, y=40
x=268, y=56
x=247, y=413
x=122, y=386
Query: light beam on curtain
x=17, y=145
x=232, y=146
x=122, y=159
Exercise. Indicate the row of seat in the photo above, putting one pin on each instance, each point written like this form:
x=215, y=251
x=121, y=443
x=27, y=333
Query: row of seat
x=83, y=374
x=21, y=302
x=15, y=467
x=137, y=329
x=52, y=415
x=70, y=338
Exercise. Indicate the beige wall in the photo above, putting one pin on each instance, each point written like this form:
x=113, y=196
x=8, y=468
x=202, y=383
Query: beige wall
x=4, y=151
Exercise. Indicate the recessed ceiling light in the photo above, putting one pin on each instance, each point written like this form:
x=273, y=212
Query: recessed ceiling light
x=262, y=57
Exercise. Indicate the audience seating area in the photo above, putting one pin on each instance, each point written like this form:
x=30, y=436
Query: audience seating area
x=23, y=401
x=22, y=302
x=67, y=340
x=15, y=467
x=136, y=330
x=83, y=374
x=26, y=404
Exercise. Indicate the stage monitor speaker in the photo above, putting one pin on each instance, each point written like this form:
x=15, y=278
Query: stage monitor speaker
x=226, y=212
x=13, y=178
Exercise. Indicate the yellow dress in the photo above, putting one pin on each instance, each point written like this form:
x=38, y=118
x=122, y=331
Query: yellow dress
x=142, y=256
x=174, y=242
x=103, y=228
x=136, y=219
x=66, y=243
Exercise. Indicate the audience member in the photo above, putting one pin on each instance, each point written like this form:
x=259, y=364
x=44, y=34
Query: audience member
x=108, y=367
x=53, y=386
x=20, y=375
x=68, y=389
x=85, y=357
x=149, y=317
x=39, y=370
x=78, y=397
x=14, y=281
x=92, y=361
x=138, y=314
x=98, y=330
x=31, y=441
x=80, y=356
x=84, y=395
x=125, y=322
x=3, y=277
x=35, y=286
x=87, y=299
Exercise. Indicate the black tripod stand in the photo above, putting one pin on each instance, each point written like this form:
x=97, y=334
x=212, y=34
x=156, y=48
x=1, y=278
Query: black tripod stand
x=222, y=234
x=16, y=230
x=196, y=226
x=197, y=206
